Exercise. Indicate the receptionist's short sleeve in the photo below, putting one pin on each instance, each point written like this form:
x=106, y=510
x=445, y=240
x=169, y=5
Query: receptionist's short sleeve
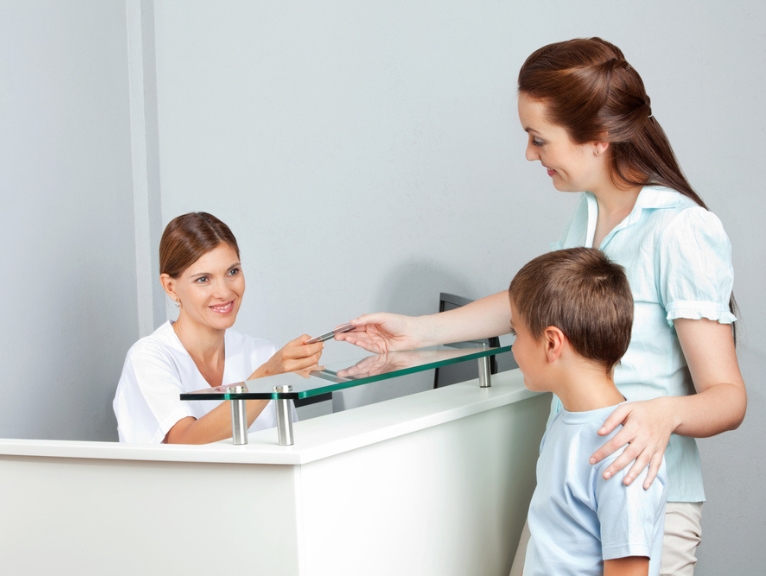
x=147, y=403
x=695, y=268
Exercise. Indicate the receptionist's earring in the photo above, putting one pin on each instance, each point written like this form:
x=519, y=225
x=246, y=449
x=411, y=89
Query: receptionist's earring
x=178, y=303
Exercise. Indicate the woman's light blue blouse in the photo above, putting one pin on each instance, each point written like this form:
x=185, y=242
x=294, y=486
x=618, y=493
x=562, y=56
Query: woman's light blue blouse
x=678, y=261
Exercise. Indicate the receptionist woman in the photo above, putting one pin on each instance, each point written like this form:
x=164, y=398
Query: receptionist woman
x=201, y=272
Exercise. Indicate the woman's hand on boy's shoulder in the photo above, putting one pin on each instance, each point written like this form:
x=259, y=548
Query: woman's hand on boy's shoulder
x=646, y=429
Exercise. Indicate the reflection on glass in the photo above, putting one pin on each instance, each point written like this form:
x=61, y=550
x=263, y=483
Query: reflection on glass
x=341, y=375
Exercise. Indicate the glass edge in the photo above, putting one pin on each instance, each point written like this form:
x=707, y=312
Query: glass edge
x=337, y=386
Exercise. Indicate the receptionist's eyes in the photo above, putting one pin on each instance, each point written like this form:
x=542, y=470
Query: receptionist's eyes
x=229, y=273
x=536, y=142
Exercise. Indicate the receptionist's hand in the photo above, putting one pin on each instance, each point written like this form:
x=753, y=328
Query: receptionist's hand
x=295, y=356
x=383, y=332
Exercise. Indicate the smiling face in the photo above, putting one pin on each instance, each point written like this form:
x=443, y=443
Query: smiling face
x=210, y=290
x=573, y=167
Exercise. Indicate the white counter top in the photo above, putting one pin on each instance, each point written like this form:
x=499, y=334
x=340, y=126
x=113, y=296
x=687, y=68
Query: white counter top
x=315, y=439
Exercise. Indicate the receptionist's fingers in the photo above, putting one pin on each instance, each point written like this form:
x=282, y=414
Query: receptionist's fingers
x=299, y=349
x=295, y=355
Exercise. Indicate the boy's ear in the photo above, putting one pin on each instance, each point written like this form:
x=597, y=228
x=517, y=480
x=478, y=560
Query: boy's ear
x=553, y=342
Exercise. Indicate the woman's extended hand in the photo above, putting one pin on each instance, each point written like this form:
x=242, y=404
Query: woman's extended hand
x=383, y=332
x=646, y=429
x=294, y=356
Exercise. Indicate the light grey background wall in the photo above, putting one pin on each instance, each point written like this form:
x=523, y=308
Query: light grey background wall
x=367, y=155
x=67, y=263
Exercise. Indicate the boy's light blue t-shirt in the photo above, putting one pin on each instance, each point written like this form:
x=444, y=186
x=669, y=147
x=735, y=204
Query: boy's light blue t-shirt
x=678, y=261
x=576, y=518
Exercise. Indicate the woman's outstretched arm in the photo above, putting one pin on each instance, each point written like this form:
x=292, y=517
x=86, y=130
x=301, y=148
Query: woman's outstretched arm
x=383, y=332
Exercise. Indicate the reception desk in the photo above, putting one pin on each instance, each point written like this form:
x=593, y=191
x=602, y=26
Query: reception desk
x=436, y=483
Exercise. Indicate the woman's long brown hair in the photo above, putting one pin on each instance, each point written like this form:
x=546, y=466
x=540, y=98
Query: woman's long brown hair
x=589, y=88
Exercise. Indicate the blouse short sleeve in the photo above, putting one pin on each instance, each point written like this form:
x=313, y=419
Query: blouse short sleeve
x=695, y=269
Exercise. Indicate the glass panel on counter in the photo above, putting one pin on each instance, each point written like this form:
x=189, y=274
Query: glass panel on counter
x=353, y=372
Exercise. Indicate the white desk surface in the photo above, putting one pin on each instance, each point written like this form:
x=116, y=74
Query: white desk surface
x=315, y=439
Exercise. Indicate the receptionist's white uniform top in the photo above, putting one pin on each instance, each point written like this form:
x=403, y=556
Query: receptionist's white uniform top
x=158, y=369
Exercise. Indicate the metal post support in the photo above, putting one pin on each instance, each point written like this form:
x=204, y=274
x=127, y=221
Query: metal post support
x=238, y=418
x=284, y=419
x=484, y=372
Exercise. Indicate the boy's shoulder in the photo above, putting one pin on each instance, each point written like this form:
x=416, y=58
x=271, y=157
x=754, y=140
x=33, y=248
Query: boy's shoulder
x=608, y=519
x=580, y=427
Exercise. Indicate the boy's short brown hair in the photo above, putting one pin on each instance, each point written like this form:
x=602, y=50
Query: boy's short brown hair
x=582, y=293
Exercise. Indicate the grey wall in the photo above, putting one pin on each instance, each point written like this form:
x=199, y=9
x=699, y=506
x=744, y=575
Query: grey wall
x=367, y=155
x=67, y=264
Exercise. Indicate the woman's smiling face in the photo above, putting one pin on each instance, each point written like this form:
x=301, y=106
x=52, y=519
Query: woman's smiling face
x=573, y=167
x=211, y=289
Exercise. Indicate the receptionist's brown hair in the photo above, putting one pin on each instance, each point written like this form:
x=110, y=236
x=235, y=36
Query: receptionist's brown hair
x=582, y=293
x=187, y=237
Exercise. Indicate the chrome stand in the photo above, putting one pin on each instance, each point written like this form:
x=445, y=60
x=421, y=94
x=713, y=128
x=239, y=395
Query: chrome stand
x=284, y=421
x=484, y=372
x=238, y=418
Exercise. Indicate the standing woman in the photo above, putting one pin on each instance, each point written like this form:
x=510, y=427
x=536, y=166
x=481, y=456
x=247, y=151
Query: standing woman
x=590, y=124
x=201, y=272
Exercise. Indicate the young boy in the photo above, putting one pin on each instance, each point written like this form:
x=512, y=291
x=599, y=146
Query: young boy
x=572, y=313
